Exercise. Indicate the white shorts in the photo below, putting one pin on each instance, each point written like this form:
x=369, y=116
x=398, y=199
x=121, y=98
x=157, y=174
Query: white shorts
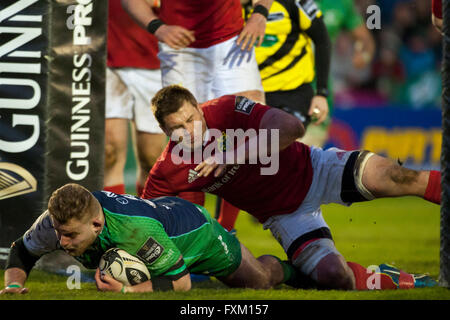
x=210, y=72
x=128, y=95
x=328, y=168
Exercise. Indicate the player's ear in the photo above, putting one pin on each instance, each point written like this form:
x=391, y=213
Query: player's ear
x=97, y=220
x=97, y=225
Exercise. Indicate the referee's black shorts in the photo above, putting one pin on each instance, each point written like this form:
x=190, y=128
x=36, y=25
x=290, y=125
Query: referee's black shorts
x=296, y=102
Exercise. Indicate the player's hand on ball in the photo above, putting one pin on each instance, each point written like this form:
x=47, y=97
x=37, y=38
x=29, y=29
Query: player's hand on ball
x=253, y=31
x=105, y=282
x=318, y=111
x=175, y=37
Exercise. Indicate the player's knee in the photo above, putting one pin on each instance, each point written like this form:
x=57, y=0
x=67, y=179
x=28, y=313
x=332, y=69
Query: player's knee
x=111, y=155
x=321, y=261
x=271, y=272
x=334, y=276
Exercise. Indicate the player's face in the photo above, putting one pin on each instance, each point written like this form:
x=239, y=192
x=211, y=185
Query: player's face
x=186, y=126
x=76, y=236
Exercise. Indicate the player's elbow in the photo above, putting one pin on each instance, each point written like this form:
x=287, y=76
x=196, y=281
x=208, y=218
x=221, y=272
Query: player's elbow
x=290, y=127
x=294, y=127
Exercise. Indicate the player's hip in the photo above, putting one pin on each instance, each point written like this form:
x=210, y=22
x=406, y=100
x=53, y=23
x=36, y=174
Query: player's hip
x=336, y=179
x=222, y=254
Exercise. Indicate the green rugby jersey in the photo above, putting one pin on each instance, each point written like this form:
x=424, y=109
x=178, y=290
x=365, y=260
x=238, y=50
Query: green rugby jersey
x=172, y=236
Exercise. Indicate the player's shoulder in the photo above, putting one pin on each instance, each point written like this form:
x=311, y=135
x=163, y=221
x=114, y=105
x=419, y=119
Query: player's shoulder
x=217, y=102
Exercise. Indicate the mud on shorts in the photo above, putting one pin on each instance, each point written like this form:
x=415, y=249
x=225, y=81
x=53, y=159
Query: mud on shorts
x=304, y=234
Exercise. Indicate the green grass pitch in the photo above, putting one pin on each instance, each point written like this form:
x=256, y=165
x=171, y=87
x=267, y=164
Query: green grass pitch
x=403, y=232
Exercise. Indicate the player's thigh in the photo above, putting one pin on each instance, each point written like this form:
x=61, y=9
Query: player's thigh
x=143, y=84
x=119, y=100
x=118, y=112
x=188, y=67
x=248, y=272
x=384, y=177
x=116, y=133
x=235, y=70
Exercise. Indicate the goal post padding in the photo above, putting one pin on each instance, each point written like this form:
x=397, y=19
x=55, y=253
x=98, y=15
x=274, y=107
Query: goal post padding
x=52, y=104
x=444, y=277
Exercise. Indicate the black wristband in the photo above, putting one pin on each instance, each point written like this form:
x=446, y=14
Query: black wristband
x=261, y=10
x=154, y=25
x=19, y=257
x=322, y=92
x=162, y=284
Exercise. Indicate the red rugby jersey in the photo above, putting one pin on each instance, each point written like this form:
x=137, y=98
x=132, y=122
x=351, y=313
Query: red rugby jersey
x=241, y=185
x=213, y=21
x=128, y=44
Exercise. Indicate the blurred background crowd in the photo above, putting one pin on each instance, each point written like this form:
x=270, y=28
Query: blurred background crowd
x=405, y=71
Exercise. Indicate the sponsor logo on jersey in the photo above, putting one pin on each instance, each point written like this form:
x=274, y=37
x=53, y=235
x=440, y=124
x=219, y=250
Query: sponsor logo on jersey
x=193, y=175
x=122, y=200
x=150, y=251
x=309, y=7
x=244, y=105
x=275, y=16
x=222, y=142
x=109, y=194
x=15, y=181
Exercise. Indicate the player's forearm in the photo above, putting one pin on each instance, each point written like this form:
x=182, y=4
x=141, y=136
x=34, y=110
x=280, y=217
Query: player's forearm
x=15, y=276
x=322, y=56
x=140, y=11
x=139, y=288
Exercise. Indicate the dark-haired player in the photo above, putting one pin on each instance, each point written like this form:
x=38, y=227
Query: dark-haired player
x=284, y=193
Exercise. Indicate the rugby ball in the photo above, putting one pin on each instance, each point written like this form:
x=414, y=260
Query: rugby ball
x=123, y=267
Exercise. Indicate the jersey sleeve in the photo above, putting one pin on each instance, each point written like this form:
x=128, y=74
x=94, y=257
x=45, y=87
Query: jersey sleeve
x=308, y=11
x=41, y=237
x=157, y=185
x=152, y=244
x=234, y=112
